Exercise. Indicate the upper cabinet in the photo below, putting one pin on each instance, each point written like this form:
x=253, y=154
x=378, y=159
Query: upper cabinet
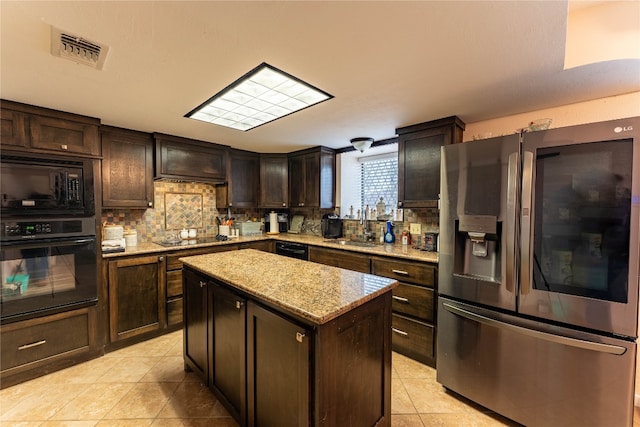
x=242, y=188
x=274, y=181
x=312, y=178
x=189, y=159
x=127, y=168
x=44, y=130
x=419, y=160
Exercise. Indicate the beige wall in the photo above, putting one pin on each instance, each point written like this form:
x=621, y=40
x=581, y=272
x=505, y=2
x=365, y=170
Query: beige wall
x=615, y=107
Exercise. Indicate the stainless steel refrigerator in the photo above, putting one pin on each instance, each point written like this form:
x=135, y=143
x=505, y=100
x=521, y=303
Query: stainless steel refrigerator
x=538, y=273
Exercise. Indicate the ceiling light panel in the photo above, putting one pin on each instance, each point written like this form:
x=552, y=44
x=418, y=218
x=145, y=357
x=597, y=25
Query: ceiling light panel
x=262, y=95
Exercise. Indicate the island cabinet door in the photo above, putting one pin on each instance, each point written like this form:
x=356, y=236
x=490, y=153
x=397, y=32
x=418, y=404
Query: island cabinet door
x=195, y=341
x=228, y=373
x=278, y=362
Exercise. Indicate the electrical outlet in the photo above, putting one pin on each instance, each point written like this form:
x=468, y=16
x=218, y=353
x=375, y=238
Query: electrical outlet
x=415, y=229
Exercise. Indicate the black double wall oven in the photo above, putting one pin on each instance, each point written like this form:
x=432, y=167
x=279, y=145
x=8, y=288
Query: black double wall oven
x=48, y=247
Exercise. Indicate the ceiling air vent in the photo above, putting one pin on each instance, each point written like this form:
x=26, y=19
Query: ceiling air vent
x=77, y=49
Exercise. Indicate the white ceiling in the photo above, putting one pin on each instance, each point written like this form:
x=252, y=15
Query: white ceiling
x=387, y=63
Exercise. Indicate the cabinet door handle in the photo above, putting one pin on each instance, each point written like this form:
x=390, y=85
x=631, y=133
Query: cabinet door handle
x=401, y=272
x=399, y=332
x=239, y=304
x=401, y=299
x=399, y=203
x=203, y=284
x=150, y=204
x=284, y=205
x=33, y=344
x=160, y=258
x=300, y=336
x=64, y=147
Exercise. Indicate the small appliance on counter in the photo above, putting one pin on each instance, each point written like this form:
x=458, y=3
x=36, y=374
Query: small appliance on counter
x=331, y=226
x=431, y=242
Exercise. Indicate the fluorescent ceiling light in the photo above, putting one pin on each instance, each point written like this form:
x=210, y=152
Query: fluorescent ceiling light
x=262, y=95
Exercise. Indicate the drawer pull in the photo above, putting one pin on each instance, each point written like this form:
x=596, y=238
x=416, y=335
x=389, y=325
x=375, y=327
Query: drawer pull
x=401, y=272
x=33, y=344
x=239, y=304
x=399, y=332
x=401, y=299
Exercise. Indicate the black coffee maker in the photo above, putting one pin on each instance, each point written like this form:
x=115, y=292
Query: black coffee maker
x=331, y=226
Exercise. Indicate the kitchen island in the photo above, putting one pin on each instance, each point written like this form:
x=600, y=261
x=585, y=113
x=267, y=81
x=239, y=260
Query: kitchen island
x=284, y=342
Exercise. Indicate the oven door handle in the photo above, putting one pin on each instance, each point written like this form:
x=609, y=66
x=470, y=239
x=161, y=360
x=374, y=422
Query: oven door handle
x=61, y=241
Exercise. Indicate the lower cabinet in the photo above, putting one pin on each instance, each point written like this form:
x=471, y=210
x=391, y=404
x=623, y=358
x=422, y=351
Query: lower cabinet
x=37, y=346
x=136, y=296
x=414, y=307
x=340, y=258
x=269, y=369
x=278, y=357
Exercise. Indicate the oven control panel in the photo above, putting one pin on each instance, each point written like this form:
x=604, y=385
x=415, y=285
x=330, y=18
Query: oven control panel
x=28, y=229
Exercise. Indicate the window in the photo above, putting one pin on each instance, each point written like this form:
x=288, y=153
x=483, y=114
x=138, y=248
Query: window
x=379, y=178
x=366, y=178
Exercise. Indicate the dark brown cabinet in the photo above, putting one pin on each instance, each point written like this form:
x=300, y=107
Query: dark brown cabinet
x=274, y=181
x=228, y=371
x=174, y=280
x=340, y=258
x=270, y=368
x=278, y=357
x=312, y=178
x=45, y=130
x=39, y=346
x=137, y=296
x=188, y=159
x=127, y=168
x=14, y=128
x=242, y=188
x=196, y=324
x=419, y=160
x=414, y=306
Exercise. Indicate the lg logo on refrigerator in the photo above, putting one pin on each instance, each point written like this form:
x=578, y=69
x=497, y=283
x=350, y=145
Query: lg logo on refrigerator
x=619, y=129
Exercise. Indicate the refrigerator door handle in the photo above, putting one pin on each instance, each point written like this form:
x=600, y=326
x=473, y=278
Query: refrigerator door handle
x=525, y=223
x=558, y=339
x=511, y=220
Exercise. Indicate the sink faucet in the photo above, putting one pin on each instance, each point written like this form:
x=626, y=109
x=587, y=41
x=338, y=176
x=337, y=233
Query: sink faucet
x=367, y=234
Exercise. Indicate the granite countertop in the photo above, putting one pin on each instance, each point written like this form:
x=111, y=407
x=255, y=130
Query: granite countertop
x=395, y=250
x=315, y=292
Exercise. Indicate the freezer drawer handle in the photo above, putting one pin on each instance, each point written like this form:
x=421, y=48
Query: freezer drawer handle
x=573, y=342
x=401, y=299
x=399, y=332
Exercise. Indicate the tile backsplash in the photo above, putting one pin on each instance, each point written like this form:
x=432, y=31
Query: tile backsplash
x=177, y=205
x=180, y=205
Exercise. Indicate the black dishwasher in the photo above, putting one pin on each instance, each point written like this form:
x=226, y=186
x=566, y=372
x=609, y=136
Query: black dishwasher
x=293, y=250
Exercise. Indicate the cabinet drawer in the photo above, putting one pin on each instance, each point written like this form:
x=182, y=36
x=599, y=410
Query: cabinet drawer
x=174, y=283
x=173, y=262
x=340, y=258
x=43, y=338
x=405, y=271
x=412, y=338
x=415, y=301
x=174, y=311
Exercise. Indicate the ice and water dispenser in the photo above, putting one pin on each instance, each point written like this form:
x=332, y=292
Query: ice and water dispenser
x=478, y=247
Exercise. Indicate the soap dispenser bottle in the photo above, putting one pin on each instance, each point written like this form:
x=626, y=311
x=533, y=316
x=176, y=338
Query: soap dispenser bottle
x=389, y=237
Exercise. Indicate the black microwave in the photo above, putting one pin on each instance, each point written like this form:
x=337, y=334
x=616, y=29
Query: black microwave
x=47, y=185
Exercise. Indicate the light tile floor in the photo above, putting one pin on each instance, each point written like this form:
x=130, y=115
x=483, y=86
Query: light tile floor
x=146, y=385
